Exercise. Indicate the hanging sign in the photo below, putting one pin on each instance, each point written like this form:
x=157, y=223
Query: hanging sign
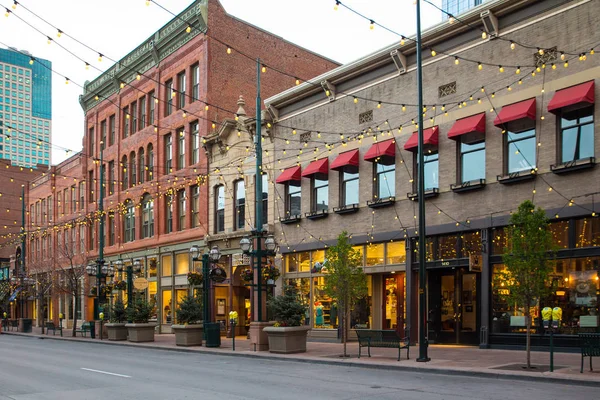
x=140, y=283
x=475, y=262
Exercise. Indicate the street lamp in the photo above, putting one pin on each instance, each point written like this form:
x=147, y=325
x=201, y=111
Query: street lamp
x=211, y=330
x=134, y=267
x=100, y=270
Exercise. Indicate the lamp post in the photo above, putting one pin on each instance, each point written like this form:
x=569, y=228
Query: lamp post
x=100, y=270
x=211, y=330
x=134, y=267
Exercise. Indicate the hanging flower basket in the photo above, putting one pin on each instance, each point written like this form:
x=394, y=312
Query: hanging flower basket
x=270, y=272
x=107, y=290
x=120, y=285
x=247, y=275
x=93, y=291
x=194, y=278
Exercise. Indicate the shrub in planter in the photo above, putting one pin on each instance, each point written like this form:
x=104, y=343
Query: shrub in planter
x=188, y=330
x=287, y=335
x=139, y=313
x=116, y=327
x=287, y=309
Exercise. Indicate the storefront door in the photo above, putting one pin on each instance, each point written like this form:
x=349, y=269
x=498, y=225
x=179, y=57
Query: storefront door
x=393, y=302
x=453, y=312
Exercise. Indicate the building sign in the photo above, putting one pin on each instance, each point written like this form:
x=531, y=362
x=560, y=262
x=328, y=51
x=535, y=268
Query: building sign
x=475, y=262
x=140, y=283
x=240, y=259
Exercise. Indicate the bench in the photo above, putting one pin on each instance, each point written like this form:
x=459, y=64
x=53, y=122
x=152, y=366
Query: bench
x=382, y=338
x=50, y=326
x=85, y=328
x=13, y=323
x=590, y=347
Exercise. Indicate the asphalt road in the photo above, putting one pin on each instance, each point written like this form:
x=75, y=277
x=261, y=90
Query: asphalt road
x=32, y=368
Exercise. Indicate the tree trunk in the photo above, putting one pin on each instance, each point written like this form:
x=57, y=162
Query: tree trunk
x=74, y=315
x=528, y=343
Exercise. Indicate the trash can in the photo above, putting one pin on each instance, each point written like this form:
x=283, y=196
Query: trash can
x=27, y=324
x=212, y=334
x=92, y=329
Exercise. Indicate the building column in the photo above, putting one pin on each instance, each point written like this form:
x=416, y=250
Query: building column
x=412, y=322
x=486, y=274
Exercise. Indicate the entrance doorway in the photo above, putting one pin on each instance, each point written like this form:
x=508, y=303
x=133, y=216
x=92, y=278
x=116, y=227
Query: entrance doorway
x=394, y=302
x=453, y=309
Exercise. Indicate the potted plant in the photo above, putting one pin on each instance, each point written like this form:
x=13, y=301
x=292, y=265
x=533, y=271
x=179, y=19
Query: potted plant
x=189, y=329
x=139, y=329
x=116, y=327
x=247, y=275
x=270, y=274
x=120, y=285
x=194, y=278
x=287, y=335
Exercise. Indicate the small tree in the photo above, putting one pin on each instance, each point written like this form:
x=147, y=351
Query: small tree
x=140, y=311
x=286, y=308
x=118, y=313
x=527, y=273
x=345, y=281
x=189, y=311
x=70, y=268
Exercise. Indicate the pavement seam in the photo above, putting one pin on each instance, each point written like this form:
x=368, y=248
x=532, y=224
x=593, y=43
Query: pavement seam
x=260, y=356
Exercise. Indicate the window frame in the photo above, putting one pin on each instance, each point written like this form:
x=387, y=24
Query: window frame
x=195, y=189
x=343, y=186
x=315, y=191
x=507, y=142
x=581, y=113
x=126, y=117
x=239, y=206
x=430, y=153
x=195, y=142
x=289, y=195
x=460, y=159
x=168, y=138
x=195, y=71
x=377, y=178
x=142, y=112
x=219, y=223
x=111, y=129
x=169, y=88
x=180, y=133
x=181, y=86
x=129, y=222
x=147, y=216
x=181, y=209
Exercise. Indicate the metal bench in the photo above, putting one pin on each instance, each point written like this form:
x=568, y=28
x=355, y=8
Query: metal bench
x=590, y=347
x=50, y=326
x=85, y=328
x=382, y=338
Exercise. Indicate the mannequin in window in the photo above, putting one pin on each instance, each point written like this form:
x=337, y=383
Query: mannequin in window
x=318, y=313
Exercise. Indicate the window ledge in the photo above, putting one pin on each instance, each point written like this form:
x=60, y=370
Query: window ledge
x=378, y=203
x=291, y=219
x=468, y=186
x=347, y=209
x=516, y=177
x=573, y=166
x=427, y=194
x=317, y=214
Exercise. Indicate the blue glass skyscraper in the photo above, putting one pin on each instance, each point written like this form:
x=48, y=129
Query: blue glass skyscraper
x=456, y=7
x=25, y=108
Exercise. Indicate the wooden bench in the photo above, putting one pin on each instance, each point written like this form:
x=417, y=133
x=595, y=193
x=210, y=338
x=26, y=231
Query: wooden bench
x=382, y=338
x=85, y=328
x=50, y=326
x=590, y=347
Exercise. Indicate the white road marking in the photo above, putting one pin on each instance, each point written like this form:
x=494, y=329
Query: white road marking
x=107, y=373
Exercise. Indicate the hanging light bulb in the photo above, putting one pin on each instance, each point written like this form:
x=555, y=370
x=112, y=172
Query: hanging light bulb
x=264, y=68
x=403, y=107
x=294, y=131
x=297, y=81
x=31, y=61
x=66, y=81
x=14, y=6
x=206, y=107
x=335, y=7
x=100, y=55
x=147, y=2
x=501, y=68
x=87, y=65
x=379, y=105
x=479, y=66
x=566, y=64
x=518, y=70
x=372, y=25
x=433, y=53
x=156, y=100
x=49, y=39
x=484, y=35
x=188, y=29
x=228, y=50
x=512, y=45
x=355, y=100
x=59, y=33
x=592, y=52
x=562, y=56
x=451, y=19
x=540, y=51
x=402, y=38
x=7, y=13
x=553, y=66
x=122, y=85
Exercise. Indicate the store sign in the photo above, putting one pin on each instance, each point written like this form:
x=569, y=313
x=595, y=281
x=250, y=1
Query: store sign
x=240, y=259
x=140, y=283
x=475, y=262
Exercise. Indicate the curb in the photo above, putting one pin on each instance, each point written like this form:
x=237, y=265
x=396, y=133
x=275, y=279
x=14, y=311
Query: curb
x=486, y=373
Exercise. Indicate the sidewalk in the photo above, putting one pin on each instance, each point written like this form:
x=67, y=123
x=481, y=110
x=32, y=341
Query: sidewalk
x=460, y=360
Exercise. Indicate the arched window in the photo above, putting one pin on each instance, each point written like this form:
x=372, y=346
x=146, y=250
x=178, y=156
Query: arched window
x=124, y=173
x=141, y=165
x=147, y=216
x=133, y=166
x=129, y=222
x=150, y=162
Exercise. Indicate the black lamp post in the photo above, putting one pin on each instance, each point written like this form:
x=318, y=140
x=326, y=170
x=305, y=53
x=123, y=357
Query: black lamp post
x=212, y=339
x=100, y=270
x=134, y=267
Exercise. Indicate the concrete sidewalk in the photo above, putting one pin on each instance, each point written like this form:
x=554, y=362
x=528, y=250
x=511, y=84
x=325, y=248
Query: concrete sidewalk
x=463, y=360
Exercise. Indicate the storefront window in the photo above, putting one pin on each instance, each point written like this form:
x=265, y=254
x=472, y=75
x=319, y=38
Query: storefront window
x=152, y=298
x=302, y=286
x=318, y=256
x=298, y=262
x=152, y=267
x=167, y=314
x=375, y=254
x=182, y=264
x=588, y=232
x=499, y=241
x=166, y=265
x=360, y=317
x=396, y=252
x=360, y=250
x=560, y=234
x=446, y=247
x=428, y=249
x=471, y=243
x=325, y=310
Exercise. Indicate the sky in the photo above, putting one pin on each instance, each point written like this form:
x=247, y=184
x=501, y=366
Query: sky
x=115, y=27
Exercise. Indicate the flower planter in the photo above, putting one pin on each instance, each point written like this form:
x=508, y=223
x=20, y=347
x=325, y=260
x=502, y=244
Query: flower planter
x=116, y=331
x=286, y=340
x=140, y=332
x=188, y=335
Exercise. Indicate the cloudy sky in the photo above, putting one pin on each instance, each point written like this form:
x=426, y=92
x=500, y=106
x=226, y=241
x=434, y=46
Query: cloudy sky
x=115, y=27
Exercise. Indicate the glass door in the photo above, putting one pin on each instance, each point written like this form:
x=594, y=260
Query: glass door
x=393, y=302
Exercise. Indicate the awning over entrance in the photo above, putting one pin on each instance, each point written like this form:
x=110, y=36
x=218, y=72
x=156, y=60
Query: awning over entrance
x=580, y=95
x=346, y=159
x=316, y=167
x=474, y=123
x=292, y=174
x=430, y=137
x=381, y=149
x=517, y=111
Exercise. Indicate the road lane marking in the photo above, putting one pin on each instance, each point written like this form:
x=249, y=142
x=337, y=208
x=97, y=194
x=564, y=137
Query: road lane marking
x=105, y=372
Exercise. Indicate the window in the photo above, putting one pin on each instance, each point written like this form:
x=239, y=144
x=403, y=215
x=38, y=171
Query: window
x=111, y=177
x=396, y=252
x=180, y=148
x=134, y=120
x=141, y=165
x=577, y=135
x=431, y=165
x=385, y=178
x=142, y=116
x=181, y=88
x=81, y=196
x=240, y=205
x=349, y=185
x=220, y=209
x=195, y=138
x=169, y=95
x=293, y=200
x=150, y=162
x=320, y=193
x=129, y=222
x=521, y=150
x=111, y=228
x=169, y=213
x=103, y=134
x=168, y=154
x=147, y=216
x=92, y=143
x=124, y=174
x=73, y=199
x=125, y=122
x=195, y=82
x=111, y=130
x=90, y=187
x=195, y=206
x=181, y=208
x=152, y=102
x=265, y=199
x=472, y=161
x=133, y=169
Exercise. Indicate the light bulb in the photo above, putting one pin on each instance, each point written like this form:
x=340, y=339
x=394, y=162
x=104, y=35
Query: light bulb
x=31, y=61
x=540, y=51
x=228, y=50
x=100, y=57
x=335, y=7
x=87, y=66
x=433, y=53
x=59, y=33
x=484, y=35
x=49, y=40
x=264, y=69
x=297, y=81
x=188, y=29
x=451, y=20
x=518, y=70
x=355, y=100
x=456, y=61
x=379, y=105
x=293, y=131
x=403, y=107
x=147, y=2
x=372, y=25
x=66, y=81
x=566, y=64
x=402, y=41
x=480, y=67
x=512, y=45
x=562, y=56
x=501, y=68
x=156, y=100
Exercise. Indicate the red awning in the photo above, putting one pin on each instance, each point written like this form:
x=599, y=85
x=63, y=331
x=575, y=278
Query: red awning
x=573, y=95
x=430, y=137
x=514, y=112
x=474, y=123
x=289, y=175
x=346, y=159
x=381, y=149
x=317, y=167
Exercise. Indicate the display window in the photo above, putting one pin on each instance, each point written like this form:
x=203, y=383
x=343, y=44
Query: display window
x=375, y=254
x=396, y=252
x=152, y=287
x=166, y=265
x=302, y=286
x=167, y=312
x=325, y=310
x=298, y=262
x=182, y=263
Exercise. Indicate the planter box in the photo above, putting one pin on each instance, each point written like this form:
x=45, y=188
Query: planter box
x=286, y=340
x=188, y=335
x=116, y=331
x=140, y=332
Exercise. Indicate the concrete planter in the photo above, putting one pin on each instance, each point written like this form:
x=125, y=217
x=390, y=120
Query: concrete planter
x=140, y=332
x=188, y=335
x=116, y=331
x=286, y=340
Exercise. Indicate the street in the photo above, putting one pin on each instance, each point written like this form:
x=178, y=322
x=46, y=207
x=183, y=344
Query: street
x=50, y=369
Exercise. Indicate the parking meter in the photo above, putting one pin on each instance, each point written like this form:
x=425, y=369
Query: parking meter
x=233, y=319
x=101, y=316
x=546, y=316
x=556, y=317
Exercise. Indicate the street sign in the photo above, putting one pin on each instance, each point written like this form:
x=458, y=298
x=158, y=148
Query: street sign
x=140, y=283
